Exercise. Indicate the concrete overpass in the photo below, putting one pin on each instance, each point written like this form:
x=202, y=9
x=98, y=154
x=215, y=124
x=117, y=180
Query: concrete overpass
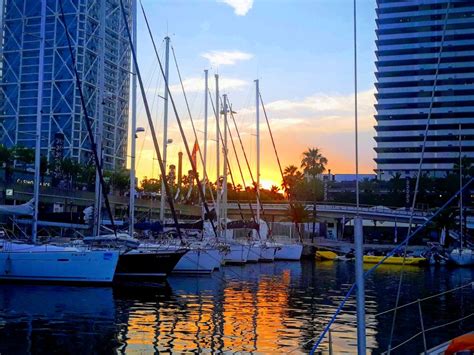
x=324, y=211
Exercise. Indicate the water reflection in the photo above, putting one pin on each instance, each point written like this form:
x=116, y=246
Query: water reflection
x=262, y=308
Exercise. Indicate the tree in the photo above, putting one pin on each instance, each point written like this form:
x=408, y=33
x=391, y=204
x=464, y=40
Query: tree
x=313, y=162
x=6, y=156
x=120, y=180
x=6, y=160
x=24, y=155
x=298, y=215
x=291, y=178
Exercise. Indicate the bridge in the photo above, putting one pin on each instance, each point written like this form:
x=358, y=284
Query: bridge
x=324, y=211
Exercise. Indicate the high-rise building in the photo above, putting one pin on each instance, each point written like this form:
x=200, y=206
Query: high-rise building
x=424, y=47
x=102, y=53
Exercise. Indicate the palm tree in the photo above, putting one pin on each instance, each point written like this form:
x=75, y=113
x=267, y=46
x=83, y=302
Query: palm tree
x=291, y=178
x=313, y=162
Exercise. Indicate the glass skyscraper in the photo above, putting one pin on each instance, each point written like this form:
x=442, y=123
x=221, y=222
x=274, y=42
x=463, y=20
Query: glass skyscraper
x=102, y=54
x=412, y=37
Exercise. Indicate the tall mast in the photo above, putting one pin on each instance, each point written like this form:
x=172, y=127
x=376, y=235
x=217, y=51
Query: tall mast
x=100, y=122
x=257, y=109
x=218, y=197
x=461, y=221
x=134, y=125
x=358, y=226
x=226, y=168
x=206, y=88
x=165, y=129
x=39, y=104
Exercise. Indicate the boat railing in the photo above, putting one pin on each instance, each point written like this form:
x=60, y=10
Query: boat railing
x=423, y=330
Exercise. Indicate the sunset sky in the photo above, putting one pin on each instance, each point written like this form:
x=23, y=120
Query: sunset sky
x=302, y=52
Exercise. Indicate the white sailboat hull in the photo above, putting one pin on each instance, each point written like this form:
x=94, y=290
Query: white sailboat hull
x=237, y=254
x=288, y=252
x=255, y=252
x=267, y=253
x=58, y=266
x=462, y=257
x=199, y=260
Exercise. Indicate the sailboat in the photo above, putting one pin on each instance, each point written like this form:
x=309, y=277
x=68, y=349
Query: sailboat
x=462, y=256
x=31, y=262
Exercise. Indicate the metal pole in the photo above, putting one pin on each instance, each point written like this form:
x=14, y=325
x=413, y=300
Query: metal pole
x=206, y=88
x=218, y=195
x=100, y=123
x=131, y=215
x=165, y=129
x=330, y=342
x=39, y=112
x=422, y=327
x=461, y=221
x=257, y=111
x=358, y=227
x=226, y=168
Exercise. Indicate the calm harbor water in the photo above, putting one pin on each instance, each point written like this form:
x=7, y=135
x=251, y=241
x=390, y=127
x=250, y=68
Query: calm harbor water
x=263, y=308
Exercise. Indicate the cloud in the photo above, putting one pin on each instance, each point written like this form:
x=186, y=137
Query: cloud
x=241, y=7
x=217, y=58
x=326, y=113
x=196, y=84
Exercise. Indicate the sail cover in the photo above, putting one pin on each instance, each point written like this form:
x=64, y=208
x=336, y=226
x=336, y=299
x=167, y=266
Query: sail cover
x=25, y=209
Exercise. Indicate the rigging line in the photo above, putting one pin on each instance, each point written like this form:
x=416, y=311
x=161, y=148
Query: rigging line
x=246, y=161
x=429, y=330
x=169, y=196
x=228, y=163
x=240, y=170
x=418, y=177
x=399, y=246
x=243, y=180
x=205, y=178
x=426, y=298
x=180, y=126
x=278, y=158
x=88, y=122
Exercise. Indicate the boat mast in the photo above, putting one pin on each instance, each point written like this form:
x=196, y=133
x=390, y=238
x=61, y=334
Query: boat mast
x=165, y=129
x=257, y=110
x=461, y=221
x=206, y=88
x=358, y=226
x=39, y=111
x=218, y=194
x=131, y=215
x=226, y=167
x=100, y=123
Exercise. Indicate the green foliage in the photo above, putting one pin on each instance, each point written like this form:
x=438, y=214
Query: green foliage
x=313, y=162
x=24, y=155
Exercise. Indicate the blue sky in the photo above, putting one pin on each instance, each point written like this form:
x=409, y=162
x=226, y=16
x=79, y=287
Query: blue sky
x=302, y=52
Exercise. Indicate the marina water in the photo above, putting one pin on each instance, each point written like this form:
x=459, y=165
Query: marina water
x=263, y=308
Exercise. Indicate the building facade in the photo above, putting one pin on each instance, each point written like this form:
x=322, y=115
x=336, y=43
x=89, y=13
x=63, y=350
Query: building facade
x=102, y=56
x=424, y=66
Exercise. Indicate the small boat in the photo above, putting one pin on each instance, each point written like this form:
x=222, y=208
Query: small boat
x=463, y=344
x=326, y=255
x=462, y=256
x=23, y=262
x=139, y=263
x=395, y=260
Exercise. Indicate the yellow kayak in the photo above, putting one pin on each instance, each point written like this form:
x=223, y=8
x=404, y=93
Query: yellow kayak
x=394, y=260
x=324, y=255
